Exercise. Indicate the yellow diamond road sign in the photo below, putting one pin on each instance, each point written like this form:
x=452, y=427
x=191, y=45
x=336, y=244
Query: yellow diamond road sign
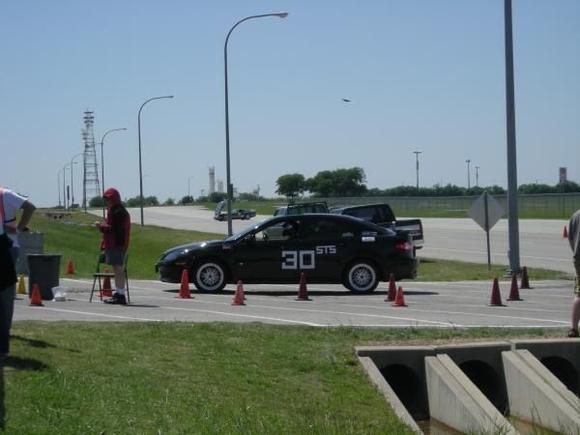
x=486, y=205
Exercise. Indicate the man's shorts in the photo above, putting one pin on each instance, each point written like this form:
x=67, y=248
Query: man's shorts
x=114, y=257
x=577, y=280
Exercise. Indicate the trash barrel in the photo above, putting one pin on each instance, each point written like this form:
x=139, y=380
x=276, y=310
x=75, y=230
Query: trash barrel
x=43, y=269
x=30, y=243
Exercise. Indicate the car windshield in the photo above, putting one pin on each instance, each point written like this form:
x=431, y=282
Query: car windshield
x=245, y=232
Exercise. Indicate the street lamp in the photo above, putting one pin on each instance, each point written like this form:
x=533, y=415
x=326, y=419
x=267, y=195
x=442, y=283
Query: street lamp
x=58, y=187
x=417, y=165
x=72, y=189
x=64, y=186
x=140, y=165
x=229, y=187
x=103, y=162
x=477, y=176
x=468, y=179
x=189, y=185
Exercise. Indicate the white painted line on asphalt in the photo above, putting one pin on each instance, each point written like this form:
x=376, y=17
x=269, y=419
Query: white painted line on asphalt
x=498, y=254
x=243, y=315
x=410, y=319
x=98, y=314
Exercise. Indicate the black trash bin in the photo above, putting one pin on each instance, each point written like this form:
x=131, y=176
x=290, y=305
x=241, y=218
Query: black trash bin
x=43, y=270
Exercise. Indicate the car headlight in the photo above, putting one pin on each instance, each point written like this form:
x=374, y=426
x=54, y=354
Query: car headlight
x=174, y=255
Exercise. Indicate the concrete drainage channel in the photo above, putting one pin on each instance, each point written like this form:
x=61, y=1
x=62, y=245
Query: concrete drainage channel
x=509, y=387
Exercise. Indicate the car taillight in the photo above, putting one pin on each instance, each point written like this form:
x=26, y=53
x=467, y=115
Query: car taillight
x=402, y=246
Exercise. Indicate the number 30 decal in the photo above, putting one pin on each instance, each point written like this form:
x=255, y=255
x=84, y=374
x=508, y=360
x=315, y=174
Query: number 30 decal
x=298, y=260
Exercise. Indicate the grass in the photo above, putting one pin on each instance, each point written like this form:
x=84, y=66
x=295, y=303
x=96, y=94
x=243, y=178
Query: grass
x=177, y=378
x=76, y=238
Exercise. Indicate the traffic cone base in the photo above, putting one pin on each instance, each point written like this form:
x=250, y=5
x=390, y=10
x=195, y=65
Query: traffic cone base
x=302, y=289
x=35, y=298
x=184, y=292
x=525, y=279
x=392, y=294
x=239, y=296
x=399, y=298
x=514, y=291
x=495, y=295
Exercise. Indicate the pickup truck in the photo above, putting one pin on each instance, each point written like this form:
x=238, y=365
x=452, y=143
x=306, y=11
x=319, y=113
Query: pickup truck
x=382, y=214
x=302, y=208
x=221, y=215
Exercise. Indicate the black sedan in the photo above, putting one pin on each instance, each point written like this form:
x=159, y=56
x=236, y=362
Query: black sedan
x=327, y=248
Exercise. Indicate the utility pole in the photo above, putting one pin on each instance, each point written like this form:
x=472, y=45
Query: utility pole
x=468, y=161
x=417, y=165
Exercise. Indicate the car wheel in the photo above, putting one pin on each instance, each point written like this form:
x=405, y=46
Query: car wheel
x=209, y=277
x=361, y=277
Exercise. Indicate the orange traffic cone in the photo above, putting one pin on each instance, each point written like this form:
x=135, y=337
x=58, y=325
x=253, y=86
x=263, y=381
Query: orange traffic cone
x=495, y=295
x=392, y=288
x=302, y=289
x=107, y=290
x=239, y=296
x=70, y=268
x=565, y=232
x=514, y=291
x=35, y=298
x=184, y=292
x=399, y=298
x=525, y=279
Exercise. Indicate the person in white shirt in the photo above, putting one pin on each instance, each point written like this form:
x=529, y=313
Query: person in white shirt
x=10, y=203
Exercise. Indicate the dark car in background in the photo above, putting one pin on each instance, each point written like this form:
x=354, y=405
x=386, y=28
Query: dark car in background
x=221, y=215
x=327, y=248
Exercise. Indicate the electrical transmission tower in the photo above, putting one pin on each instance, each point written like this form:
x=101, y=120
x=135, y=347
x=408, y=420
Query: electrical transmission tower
x=91, y=186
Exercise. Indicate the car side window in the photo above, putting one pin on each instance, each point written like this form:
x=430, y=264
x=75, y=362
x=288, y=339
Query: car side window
x=285, y=230
x=322, y=230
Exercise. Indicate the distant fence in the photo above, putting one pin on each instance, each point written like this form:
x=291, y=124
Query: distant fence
x=548, y=205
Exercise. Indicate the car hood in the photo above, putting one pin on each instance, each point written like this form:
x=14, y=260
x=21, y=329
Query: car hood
x=196, y=246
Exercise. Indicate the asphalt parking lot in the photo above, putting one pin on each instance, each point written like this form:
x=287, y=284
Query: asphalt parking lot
x=441, y=305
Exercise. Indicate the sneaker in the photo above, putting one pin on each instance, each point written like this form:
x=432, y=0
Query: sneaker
x=116, y=299
x=573, y=333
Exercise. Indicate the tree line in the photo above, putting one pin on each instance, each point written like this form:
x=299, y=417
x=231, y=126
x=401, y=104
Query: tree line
x=351, y=182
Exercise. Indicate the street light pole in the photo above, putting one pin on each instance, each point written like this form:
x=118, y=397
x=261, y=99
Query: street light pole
x=58, y=186
x=64, y=186
x=512, y=176
x=72, y=189
x=189, y=185
x=103, y=162
x=477, y=176
x=140, y=165
x=417, y=165
x=229, y=187
x=468, y=178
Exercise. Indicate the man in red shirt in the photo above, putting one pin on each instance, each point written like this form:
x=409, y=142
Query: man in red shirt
x=116, y=229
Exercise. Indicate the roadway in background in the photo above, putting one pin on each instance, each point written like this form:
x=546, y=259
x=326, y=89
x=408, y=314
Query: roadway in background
x=541, y=241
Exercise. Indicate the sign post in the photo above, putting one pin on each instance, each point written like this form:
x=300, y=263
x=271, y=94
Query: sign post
x=486, y=211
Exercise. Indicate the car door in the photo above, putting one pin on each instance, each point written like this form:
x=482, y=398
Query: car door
x=322, y=243
x=267, y=256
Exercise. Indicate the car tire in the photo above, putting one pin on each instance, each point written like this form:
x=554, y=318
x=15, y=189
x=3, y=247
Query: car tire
x=361, y=277
x=209, y=277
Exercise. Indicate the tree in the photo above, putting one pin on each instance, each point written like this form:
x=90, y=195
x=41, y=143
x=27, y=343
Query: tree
x=290, y=185
x=187, y=199
x=169, y=201
x=97, y=202
x=340, y=182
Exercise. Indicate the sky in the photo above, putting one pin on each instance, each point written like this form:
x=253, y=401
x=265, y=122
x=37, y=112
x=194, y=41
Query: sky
x=422, y=75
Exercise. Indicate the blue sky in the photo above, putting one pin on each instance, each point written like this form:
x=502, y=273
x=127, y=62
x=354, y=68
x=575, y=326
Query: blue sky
x=422, y=75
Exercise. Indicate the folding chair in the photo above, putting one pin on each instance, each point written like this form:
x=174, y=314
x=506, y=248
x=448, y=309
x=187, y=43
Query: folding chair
x=99, y=275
